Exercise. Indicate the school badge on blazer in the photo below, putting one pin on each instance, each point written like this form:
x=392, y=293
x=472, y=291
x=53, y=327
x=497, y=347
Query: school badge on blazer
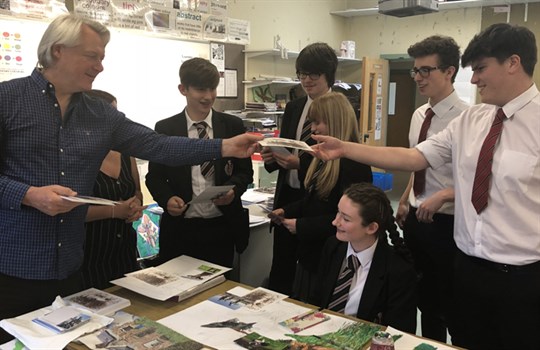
x=229, y=168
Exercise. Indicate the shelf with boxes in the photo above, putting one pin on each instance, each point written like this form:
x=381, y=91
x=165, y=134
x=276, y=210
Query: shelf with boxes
x=271, y=77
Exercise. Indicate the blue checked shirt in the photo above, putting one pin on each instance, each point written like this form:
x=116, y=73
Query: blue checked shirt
x=38, y=148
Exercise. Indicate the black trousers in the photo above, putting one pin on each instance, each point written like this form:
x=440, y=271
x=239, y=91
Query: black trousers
x=211, y=240
x=433, y=248
x=285, y=248
x=19, y=296
x=496, y=307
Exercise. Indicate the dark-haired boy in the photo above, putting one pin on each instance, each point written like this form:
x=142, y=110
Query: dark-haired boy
x=426, y=208
x=316, y=67
x=207, y=231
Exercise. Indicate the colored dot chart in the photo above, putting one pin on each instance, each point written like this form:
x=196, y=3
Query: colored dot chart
x=11, y=53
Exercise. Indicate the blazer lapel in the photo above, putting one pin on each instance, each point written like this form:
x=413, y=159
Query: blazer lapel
x=179, y=126
x=335, y=266
x=375, y=281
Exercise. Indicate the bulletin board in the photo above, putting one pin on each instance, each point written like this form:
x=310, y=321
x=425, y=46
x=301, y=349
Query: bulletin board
x=141, y=69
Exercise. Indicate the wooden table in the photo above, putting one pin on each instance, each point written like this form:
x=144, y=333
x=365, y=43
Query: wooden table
x=155, y=309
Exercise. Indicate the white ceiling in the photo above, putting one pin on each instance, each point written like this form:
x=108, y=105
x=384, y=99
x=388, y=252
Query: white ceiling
x=443, y=5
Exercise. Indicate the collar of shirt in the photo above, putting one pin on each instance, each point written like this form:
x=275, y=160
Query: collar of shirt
x=365, y=256
x=519, y=102
x=190, y=121
x=445, y=104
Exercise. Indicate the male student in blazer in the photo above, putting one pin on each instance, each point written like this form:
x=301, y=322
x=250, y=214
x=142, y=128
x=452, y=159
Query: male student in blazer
x=316, y=67
x=207, y=231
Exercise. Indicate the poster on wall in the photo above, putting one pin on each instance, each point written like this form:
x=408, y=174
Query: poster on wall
x=160, y=19
x=4, y=6
x=239, y=31
x=189, y=25
x=98, y=10
x=217, y=57
x=378, y=117
x=215, y=28
x=203, y=6
x=129, y=14
x=218, y=8
x=18, y=45
x=38, y=9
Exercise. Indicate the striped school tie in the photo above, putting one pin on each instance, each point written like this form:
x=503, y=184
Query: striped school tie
x=305, y=135
x=482, y=176
x=343, y=284
x=419, y=184
x=207, y=168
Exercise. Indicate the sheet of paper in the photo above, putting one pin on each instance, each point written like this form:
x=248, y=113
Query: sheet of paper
x=282, y=142
x=90, y=200
x=253, y=196
x=211, y=193
x=207, y=322
x=35, y=336
x=407, y=341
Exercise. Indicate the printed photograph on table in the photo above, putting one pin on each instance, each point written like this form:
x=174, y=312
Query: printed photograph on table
x=98, y=301
x=304, y=321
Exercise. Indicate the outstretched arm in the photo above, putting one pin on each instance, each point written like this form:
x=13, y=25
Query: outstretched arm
x=389, y=158
x=240, y=146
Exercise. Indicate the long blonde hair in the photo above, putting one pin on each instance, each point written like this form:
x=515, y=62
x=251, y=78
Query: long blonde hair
x=334, y=110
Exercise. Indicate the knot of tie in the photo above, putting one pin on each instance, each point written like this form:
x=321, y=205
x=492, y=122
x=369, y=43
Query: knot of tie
x=200, y=125
x=353, y=263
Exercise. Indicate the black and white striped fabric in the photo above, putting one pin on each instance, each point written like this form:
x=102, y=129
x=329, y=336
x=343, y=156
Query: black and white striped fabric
x=207, y=168
x=343, y=284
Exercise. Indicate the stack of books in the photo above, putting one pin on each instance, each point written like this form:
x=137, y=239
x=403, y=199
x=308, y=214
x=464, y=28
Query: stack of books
x=177, y=279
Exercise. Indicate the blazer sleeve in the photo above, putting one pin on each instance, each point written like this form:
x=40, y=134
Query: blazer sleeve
x=402, y=298
x=158, y=174
x=242, y=175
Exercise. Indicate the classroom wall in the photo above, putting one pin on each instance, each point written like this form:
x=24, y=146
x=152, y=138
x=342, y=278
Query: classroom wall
x=380, y=34
x=523, y=15
x=300, y=22
x=297, y=22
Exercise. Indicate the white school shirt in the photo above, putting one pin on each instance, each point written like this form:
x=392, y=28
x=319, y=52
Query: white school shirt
x=198, y=182
x=365, y=257
x=445, y=111
x=507, y=231
x=292, y=174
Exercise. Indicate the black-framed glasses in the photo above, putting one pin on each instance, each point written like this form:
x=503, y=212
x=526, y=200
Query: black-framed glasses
x=424, y=71
x=304, y=75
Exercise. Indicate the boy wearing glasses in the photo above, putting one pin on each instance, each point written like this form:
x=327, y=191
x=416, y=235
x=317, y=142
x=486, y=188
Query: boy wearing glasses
x=316, y=67
x=426, y=208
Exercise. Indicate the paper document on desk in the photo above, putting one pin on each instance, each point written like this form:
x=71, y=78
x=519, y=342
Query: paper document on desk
x=132, y=332
x=171, y=279
x=407, y=341
x=211, y=193
x=252, y=195
x=35, y=336
x=98, y=301
x=221, y=321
